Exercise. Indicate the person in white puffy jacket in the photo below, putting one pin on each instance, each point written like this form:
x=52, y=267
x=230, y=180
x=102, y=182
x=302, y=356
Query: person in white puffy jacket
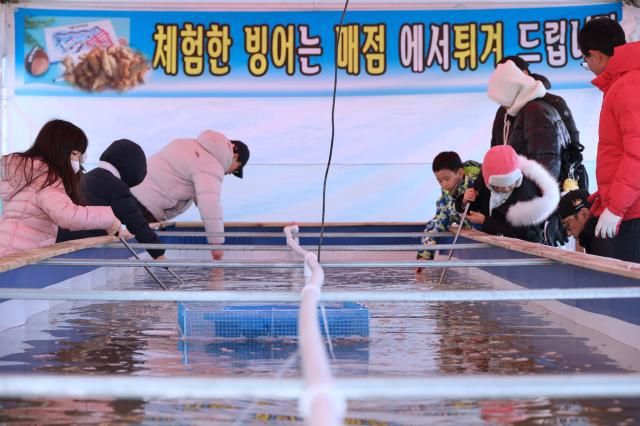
x=191, y=170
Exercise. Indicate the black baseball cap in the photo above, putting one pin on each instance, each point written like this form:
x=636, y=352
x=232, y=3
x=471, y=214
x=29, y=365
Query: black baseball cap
x=242, y=150
x=572, y=202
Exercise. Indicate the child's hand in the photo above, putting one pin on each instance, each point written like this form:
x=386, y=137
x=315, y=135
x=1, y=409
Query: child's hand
x=469, y=195
x=475, y=217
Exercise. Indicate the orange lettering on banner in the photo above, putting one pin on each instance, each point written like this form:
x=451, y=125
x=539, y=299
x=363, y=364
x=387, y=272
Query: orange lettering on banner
x=348, y=54
x=192, y=49
x=283, y=47
x=256, y=44
x=494, y=43
x=374, y=48
x=464, y=46
x=218, y=44
x=165, y=54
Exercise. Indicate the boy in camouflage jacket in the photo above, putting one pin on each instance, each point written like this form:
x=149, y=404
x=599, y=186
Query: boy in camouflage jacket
x=454, y=178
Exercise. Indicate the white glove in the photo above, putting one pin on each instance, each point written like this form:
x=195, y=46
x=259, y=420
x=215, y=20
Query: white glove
x=607, y=226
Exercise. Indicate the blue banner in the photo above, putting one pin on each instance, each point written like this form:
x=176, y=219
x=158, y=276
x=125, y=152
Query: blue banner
x=290, y=53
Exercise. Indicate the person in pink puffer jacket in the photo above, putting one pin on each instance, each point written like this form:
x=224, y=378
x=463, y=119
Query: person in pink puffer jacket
x=191, y=170
x=39, y=191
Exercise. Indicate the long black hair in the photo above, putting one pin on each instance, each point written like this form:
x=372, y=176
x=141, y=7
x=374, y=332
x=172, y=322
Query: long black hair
x=54, y=144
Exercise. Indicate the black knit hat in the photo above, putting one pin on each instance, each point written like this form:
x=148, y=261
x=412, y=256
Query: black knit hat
x=572, y=202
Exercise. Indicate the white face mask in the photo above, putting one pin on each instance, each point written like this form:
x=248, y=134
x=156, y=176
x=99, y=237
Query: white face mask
x=75, y=164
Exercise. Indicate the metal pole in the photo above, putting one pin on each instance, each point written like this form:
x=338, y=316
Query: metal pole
x=291, y=265
x=624, y=385
x=133, y=252
x=176, y=276
x=327, y=296
x=464, y=216
x=266, y=247
x=301, y=234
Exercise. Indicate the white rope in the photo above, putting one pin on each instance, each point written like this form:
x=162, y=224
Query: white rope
x=325, y=327
x=320, y=407
x=331, y=296
x=387, y=388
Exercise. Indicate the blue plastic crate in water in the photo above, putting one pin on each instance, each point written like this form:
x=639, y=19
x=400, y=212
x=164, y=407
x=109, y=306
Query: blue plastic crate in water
x=198, y=320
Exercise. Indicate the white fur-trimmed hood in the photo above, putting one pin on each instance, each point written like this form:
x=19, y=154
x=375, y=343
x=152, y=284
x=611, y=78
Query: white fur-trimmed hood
x=537, y=210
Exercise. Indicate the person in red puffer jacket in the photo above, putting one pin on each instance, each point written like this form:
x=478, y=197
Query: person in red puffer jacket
x=616, y=65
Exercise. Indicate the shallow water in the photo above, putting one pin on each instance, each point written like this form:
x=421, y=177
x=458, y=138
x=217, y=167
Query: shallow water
x=407, y=339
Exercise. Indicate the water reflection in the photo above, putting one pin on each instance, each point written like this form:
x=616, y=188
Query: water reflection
x=407, y=339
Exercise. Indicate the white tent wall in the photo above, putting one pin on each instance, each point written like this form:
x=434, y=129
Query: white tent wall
x=380, y=172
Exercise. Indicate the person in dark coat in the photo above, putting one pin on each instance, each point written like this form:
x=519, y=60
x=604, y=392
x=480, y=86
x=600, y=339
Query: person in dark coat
x=122, y=165
x=577, y=219
x=532, y=127
x=512, y=197
x=571, y=156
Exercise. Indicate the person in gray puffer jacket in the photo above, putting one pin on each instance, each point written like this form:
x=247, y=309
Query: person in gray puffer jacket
x=532, y=127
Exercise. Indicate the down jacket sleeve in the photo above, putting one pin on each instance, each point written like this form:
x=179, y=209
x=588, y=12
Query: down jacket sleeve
x=208, y=189
x=126, y=209
x=498, y=124
x=541, y=134
x=56, y=203
x=625, y=180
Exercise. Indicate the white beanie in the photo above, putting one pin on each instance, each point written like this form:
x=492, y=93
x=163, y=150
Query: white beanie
x=508, y=83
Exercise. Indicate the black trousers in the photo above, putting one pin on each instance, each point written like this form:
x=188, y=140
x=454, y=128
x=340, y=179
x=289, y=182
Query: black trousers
x=626, y=245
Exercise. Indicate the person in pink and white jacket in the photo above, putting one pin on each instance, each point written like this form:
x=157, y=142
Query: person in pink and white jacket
x=191, y=170
x=40, y=191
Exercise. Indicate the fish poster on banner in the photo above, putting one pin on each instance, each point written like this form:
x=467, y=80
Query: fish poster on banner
x=289, y=53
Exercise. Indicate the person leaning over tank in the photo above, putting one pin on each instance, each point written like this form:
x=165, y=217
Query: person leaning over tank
x=191, y=170
x=454, y=177
x=40, y=191
x=122, y=165
x=512, y=196
x=581, y=224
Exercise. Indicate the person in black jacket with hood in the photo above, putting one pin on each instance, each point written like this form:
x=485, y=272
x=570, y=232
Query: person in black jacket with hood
x=122, y=166
x=532, y=127
x=571, y=156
